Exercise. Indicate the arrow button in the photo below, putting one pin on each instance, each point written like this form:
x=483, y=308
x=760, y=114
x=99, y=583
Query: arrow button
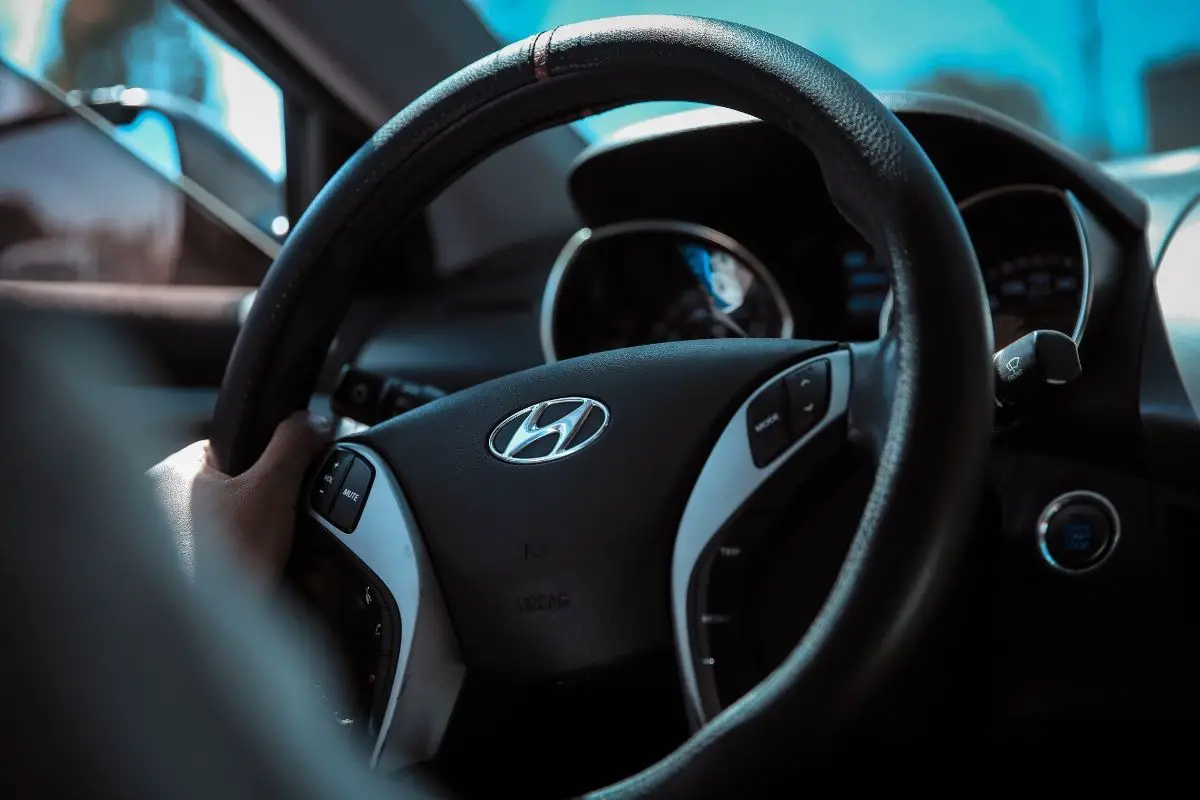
x=808, y=396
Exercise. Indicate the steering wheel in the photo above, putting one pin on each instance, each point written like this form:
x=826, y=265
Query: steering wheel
x=622, y=469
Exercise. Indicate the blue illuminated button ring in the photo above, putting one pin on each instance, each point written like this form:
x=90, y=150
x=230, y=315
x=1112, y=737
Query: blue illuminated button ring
x=1078, y=531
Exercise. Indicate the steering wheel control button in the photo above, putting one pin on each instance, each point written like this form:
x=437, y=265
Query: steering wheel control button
x=1077, y=536
x=359, y=395
x=351, y=498
x=1078, y=531
x=329, y=481
x=767, y=424
x=808, y=396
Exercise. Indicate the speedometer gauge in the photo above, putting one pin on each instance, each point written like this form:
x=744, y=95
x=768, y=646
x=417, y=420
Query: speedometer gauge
x=653, y=281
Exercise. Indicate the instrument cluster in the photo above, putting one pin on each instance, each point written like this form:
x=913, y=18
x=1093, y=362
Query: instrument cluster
x=646, y=281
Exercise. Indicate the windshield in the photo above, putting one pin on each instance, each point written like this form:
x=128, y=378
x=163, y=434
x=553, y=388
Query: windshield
x=1108, y=78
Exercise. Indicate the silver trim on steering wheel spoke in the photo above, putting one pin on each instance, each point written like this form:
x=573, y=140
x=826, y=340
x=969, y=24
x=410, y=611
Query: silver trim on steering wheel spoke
x=728, y=479
x=429, y=671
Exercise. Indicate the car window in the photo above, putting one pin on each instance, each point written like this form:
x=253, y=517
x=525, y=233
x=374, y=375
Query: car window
x=178, y=95
x=75, y=205
x=136, y=147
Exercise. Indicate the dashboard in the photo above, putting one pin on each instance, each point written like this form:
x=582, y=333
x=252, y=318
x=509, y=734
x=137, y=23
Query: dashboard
x=711, y=224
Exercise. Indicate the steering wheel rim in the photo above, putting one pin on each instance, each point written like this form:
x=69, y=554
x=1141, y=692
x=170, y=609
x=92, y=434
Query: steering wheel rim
x=921, y=396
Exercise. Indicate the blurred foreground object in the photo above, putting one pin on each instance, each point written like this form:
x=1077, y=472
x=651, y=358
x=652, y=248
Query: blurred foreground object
x=119, y=679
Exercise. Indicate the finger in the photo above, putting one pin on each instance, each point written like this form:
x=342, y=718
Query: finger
x=295, y=441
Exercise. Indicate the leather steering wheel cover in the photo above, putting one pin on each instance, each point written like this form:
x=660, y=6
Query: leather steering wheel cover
x=917, y=519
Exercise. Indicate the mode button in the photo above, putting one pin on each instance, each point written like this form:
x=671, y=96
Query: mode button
x=767, y=424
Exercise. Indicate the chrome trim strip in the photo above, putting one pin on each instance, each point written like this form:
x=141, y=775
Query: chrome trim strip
x=1011, y=188
x=584, y=235
x=1085, y=267
x=728, y=479
x=550, y=295
x=1055, y=506
x=429, y=670
x=1085, y=264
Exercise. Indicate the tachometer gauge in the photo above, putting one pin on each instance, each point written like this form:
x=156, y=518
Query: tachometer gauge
x=657, y=281
x=1037, y=291
x=1031, y=251
x=1030, y=246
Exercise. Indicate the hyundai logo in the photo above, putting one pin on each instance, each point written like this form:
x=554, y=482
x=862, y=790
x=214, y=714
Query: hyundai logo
x=575, y=423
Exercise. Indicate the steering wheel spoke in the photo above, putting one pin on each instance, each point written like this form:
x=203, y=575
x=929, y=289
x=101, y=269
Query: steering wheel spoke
x=790, y=426
x=420, y=661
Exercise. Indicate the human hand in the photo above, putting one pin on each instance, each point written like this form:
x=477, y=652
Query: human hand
x=253, y=514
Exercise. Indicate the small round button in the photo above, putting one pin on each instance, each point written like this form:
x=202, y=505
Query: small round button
x=1077, y=531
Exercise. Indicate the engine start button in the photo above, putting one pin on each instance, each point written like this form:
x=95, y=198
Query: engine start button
x=1078, y=531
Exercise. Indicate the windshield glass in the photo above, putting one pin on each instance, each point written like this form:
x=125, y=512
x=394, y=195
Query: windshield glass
x=1108, y=78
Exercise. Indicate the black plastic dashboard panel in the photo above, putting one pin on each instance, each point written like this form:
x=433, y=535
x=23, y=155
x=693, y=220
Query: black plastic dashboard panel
x=478, y=324
x=1002, y=150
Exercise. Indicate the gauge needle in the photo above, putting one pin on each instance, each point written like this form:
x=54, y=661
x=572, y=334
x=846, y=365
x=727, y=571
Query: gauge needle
x=726, y=320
